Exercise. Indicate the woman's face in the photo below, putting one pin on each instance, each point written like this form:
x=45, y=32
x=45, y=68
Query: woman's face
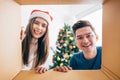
x=39, y=27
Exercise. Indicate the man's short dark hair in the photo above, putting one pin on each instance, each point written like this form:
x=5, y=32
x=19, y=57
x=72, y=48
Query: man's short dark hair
x=81, y=24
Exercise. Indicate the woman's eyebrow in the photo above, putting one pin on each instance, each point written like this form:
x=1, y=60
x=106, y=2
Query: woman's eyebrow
x=37, y=21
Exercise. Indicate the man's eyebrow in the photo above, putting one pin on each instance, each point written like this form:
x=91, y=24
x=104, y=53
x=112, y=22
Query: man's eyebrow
x=78, y=35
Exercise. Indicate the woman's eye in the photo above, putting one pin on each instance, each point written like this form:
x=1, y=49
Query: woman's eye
x=44, y=25
x=36, y=22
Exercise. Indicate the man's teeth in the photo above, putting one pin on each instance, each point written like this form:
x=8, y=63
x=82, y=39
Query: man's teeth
x=86, y=46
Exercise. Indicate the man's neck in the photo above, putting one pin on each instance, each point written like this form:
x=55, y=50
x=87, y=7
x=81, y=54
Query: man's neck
x=90, y=55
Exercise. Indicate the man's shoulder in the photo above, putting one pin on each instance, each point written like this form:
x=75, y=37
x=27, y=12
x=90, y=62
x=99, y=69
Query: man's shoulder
x=99, y=51
x=99, y=47
x=76, y=55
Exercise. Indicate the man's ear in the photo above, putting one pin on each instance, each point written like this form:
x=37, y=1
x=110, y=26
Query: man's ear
x=75, y=40
x=97, y=37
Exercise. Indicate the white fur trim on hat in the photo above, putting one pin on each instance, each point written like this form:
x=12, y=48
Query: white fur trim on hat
x=41, y=14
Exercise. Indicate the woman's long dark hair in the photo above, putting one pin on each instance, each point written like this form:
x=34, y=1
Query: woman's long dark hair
x=42, y=49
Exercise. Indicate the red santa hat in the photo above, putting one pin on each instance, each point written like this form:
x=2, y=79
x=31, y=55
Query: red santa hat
x=43, y=14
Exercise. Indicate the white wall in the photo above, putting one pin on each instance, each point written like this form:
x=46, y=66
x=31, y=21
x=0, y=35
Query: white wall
x=96, y=20
x=10, y=47
x=61, y=14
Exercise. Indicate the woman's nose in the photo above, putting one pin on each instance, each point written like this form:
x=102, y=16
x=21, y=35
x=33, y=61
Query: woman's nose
x=40, y=27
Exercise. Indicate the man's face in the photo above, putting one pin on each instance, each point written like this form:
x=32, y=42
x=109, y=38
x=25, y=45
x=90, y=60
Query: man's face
x=86, y=39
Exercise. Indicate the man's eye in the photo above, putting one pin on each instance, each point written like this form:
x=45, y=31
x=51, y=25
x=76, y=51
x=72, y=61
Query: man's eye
x=79, y=38
x=90, y=35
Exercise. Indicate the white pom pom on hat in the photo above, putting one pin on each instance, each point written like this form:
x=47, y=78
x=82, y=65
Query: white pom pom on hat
x=43, y=14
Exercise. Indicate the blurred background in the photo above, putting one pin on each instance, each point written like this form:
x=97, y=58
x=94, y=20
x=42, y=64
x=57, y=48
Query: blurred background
x=65, y=14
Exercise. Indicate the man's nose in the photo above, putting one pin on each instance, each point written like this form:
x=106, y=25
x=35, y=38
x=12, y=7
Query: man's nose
x=85, y=39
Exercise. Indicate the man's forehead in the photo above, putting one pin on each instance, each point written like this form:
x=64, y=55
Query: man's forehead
x=83, y=31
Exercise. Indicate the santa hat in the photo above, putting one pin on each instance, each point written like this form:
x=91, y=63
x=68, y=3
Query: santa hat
x=43, y=14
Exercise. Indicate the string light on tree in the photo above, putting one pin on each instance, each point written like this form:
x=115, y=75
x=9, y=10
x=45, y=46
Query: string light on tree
x=65, y=47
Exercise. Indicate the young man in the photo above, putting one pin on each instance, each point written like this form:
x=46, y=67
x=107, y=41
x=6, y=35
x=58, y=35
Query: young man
x=90, y=57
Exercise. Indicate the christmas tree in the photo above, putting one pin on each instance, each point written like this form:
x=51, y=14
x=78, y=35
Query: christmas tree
x=65, y=47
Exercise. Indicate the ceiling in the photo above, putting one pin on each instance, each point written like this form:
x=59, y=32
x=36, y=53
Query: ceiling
x=61, y=13
x=74, y=8
x=82, y=7
x=44, y=2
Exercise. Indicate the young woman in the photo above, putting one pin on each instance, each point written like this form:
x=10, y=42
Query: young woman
x=35, y=44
